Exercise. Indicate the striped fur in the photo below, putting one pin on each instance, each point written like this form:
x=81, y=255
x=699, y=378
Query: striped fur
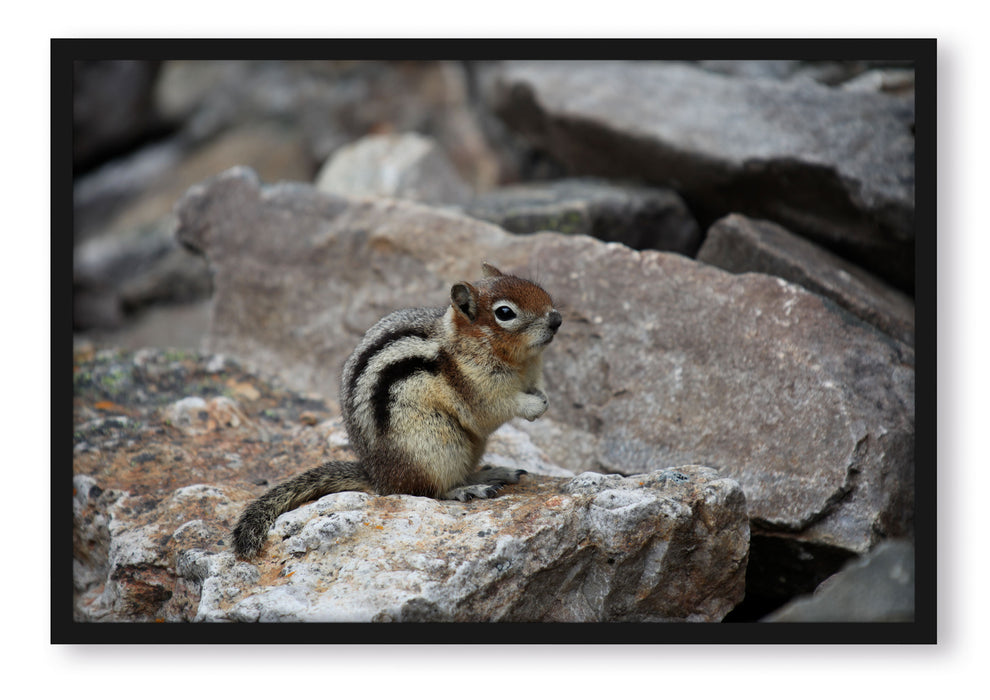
x=420, y=395
x=330, y=477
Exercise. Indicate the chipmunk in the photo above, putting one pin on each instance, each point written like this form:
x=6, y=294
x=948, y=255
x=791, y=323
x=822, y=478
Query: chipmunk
x=421, y=394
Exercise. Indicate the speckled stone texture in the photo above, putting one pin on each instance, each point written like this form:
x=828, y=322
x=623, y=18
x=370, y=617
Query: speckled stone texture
x=170, y=447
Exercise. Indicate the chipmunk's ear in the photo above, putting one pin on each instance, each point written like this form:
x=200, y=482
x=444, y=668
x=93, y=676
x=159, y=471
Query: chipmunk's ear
x=464, y=297
x=490, y=270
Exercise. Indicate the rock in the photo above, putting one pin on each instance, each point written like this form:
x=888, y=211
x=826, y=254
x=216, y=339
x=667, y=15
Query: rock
x=829, y=73
x=661, y=360
x=739, y=244
x=125, y=253
x=128, y=269
x=563, y=443
x=133, y=261
x=409, y=166
x=178, y=326
x=101, y=194
x=878, y=587
x=162, y=474
x=513, y=448
x=112, y=108
x=832, y=165
x=895, y=81
x=639, y=217
x=781, y=569
x=140, y=188
x=333, y=103
x=176, y=278
x=146, y=487
x=96, y=305
x=775, y=70
x=660, y=547
x=519, y=161
x=194, y=415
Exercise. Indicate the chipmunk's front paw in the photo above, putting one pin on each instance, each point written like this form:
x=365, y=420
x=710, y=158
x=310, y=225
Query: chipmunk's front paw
x=532, y=404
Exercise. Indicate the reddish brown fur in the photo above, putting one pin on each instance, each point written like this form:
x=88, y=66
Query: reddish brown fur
x=528, y=295
x=505, y=346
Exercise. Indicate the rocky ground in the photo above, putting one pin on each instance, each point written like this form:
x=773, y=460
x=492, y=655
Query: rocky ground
x=731, y=245
x=161, y=475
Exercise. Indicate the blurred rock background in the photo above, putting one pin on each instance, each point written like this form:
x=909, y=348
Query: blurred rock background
x=145, y=132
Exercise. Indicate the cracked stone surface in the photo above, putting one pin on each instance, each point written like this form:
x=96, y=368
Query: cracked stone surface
x=739, y=244
x=659, y=547
x=637, y=216
x=835, y=166
x=660, y=361
x=170, y=447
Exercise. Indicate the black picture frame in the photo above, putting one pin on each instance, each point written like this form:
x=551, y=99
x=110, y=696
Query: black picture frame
x=921, y=53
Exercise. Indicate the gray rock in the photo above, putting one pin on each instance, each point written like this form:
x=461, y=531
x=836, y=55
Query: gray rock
x=739, y=244
x=830, y=73
x=332, y=103
x=131, y=260
x=895, y=81
x=180, y=326
x=104, y=264
x=408, y=166
x=101, y=194
x=658, y=547
x=161, y=475
x=661, y=360
x=878, y=587
x=832, y=165
x=775, y=70
x=640, y=217
x=132, y=268
x=112, y=108
x=781, y=569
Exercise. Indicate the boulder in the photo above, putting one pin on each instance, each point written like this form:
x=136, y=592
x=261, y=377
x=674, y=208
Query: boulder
x=332, y=103
x=408, y=166
x=667, y=546
x=872, y=76
x=739, y=244
x=878, y=587
x=833, y=165
x=893, y=80
x=179, y=326
x=112, y=109
x=161, y=475
x=128, y=259
x=661, y=360
x=637, y=216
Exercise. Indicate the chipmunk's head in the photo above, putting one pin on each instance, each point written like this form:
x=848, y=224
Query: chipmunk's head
x=515, y=317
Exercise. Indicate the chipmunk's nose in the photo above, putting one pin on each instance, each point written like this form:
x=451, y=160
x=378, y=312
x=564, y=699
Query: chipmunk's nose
x=555, y=320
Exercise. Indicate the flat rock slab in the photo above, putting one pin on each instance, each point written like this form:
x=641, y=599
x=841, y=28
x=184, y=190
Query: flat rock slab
x=667, y=546
x=161, y=474
x=833, y=165
x=739, y=244
x=638, y=216
x=661, y=360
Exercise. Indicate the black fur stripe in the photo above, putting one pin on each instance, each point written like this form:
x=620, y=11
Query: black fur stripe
x=390, y=375
x=455, y=377
x=361, y=363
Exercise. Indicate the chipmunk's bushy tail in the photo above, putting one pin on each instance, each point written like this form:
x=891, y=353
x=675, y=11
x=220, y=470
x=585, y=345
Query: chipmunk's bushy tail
x=330, y=477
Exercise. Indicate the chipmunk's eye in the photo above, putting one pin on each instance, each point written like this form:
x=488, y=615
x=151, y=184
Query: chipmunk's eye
x=504, y=313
